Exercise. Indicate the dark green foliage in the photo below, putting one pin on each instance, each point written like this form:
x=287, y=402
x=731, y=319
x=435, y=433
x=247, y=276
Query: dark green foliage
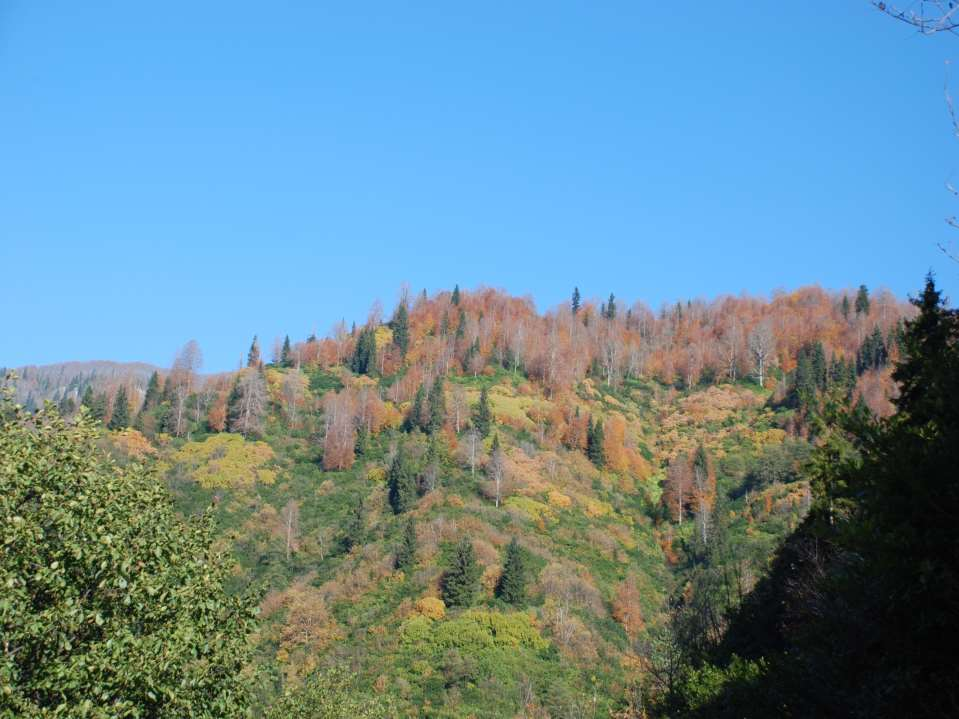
x=455, y=299
x=406, y=551
x=483, y=414
x=862, y=301
x=98, y=409
x=844, y=307
x=609, y=309
x=286, y=354
x=87, y=400
x=401, y=328
x=461, y=325
x=120, y=416
x=414, y=418
x=364, y=354
x=111, y=605
x=511, y=586
x=857, y=616
x=152, y=397
x=575, y=304
x=355, y=529
x=461, y=579
x=873, y=353
x=331, y=694
x=594, y=443
x=253, y=356
x=437, y=407
x=401, y=483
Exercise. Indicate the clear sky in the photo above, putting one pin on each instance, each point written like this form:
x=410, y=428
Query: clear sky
x=212, y=170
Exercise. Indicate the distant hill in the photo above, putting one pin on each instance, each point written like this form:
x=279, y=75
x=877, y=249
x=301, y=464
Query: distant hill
x=55, y=381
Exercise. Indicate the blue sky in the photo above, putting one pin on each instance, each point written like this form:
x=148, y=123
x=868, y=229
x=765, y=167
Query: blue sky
x=213, y=170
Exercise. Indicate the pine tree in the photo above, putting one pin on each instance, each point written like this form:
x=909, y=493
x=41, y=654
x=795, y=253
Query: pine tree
x=575, y=304
x=99, y=408
x=844, y=307
x=414, y=419
x=406, y=551
x=437, y=405
x=610, y=313
x=87, y=399
x=862, y=301
x=364, y=354
x=355, y=528
x=286, y=354
x=120, y=417
x=461, y=579
x=483, y=416
x=152, y=397
x=461, y=325
x=455, y=299
x=401, y=329
x=511, y=586
x=253, y=356
x=594, y=443
x=401, y=483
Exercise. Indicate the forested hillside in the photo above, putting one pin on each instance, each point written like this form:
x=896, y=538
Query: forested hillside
x=475, y=509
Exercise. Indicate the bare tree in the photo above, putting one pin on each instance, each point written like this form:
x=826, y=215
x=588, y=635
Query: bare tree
x=927, y=16
x=249, y=402
x=186, y=364
x=496, y=469
x=459, y=406
x=472, y=443
x=761, y=345
x=730, y=344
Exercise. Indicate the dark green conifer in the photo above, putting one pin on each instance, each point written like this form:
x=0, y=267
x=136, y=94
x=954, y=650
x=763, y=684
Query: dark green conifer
x=406, y=551
x=594, y=443
x=461, y=580
x=152, y=397
x=575, y=304
x=401, y=483
x=437, y=405
x=511, y=586
x=120, y=416
x=414, y=418
x=483, y=415
x=844, y=307
x=401, y=328
x=286, y=354
x=355, y=529
x=99, y=409
x=862, y=301
x=455, y=299
x=364, y=354
x=87, y=399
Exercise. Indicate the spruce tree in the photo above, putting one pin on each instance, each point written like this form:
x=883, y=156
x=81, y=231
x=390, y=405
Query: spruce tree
x=461, y=325
x=364, y=354
x=401, y=329
x=401, y=483
x=355, y=528
x=87, y=400
x=461, y=579
x=575, y=304
x=844, y=307
x=414, y=418
x=286, y=354
x=483, y=416
x=253, y=356
x=152, y=397
x=594, y=443
x=120, y=417
x=99, y=409
x=406, y=551
x=455, y=299
x=610, y=313
x=511, y=586
x=862, y=301
x=437, y=405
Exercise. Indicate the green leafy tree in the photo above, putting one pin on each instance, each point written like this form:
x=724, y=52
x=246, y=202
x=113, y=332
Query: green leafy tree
x=401, y=483
x=406, y=551
x=111, y=605
x=461, y=579
x=511, y=586
x=483, y=415
x=331, y=694
x=120, y=416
